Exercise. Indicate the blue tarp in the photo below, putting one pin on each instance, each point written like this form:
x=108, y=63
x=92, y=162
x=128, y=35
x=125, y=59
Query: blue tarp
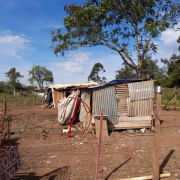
x=120, y=81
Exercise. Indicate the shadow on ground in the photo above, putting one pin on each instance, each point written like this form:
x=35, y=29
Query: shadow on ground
x=58, y=174
x=108, y=176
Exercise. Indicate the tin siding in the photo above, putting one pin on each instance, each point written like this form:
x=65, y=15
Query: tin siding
x=105, y=98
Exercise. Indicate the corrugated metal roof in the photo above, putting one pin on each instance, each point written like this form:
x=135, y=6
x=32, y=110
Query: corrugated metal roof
x=105, y=98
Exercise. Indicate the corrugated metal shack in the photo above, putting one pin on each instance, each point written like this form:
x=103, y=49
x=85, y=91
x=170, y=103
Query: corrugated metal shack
x=59, y=91
x=128, y=103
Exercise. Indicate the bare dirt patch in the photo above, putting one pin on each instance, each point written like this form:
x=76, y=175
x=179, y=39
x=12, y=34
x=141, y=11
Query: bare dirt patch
x=47, y=155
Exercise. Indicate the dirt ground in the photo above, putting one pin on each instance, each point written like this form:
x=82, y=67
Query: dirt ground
x=47, y=155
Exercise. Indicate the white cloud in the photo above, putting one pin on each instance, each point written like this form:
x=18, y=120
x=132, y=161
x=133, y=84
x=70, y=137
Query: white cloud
x=14, y=45
x=76, y=63
x=169, y=38
x=167, y=44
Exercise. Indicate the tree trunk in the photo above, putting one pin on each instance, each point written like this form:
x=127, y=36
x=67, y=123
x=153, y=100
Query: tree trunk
x=97, y=78
x=138, y=73
x=42, y=88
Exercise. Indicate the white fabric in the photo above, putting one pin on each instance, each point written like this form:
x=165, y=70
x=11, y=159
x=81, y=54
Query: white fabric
x=66, y=108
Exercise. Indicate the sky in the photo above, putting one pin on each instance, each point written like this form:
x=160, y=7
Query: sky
x=25, y=40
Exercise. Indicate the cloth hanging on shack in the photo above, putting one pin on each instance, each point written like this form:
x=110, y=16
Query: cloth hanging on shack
x=66, y=108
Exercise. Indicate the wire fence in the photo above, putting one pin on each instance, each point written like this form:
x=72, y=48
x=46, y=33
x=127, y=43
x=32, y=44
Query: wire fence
x=21, y=101
x=45, y=154
x=123, y=157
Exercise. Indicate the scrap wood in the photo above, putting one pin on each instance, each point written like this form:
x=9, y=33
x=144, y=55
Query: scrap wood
x=143, y=135
x=147, y=177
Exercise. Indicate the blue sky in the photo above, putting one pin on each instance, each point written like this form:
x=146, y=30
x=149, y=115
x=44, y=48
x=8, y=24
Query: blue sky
x=25, y=40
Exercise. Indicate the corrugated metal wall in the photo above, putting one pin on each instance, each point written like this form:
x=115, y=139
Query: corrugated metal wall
x=105, y=98
x=140, y=107
x=141, y=90
x=135, y=99
x=140, y=102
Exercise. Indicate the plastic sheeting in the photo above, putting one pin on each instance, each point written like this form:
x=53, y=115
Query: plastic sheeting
x=120, y=81
x=66, y=108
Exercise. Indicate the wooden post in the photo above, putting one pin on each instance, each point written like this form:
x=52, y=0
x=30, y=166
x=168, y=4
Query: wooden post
x=99, y=145
x=157, y=132
x=175, y=99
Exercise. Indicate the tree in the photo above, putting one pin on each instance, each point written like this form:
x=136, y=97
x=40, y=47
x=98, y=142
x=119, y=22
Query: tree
x=40, y=74
x=173, y=67
x=94, y=75
x=111, y=23
x=150, y=70
x=14, y=77
x=125, y=73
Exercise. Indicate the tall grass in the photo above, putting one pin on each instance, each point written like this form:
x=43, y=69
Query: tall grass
x=167, y=94
x=21, y=100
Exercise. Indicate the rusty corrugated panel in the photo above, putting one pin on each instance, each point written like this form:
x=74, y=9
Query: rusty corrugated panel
x=123, y=95
x=140, y=102
x=105, y=98
x=141, y=90
x=140, y=107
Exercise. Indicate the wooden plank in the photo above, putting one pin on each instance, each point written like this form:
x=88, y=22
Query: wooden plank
x=131, y=124
x=156, y=138
x=86, y=114
x=59, y=95
x=122, y=114
x=55, y=99
x=135, y=118
x=146, y=177
x=104, y=128
x=100, y=123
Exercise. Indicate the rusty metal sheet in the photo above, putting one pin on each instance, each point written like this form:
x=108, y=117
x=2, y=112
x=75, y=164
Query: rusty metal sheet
x=9, y=163
x=141, y=90
x=105, y=98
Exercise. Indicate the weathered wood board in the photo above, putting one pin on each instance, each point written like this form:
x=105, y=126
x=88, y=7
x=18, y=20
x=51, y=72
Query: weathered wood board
x=86, y=114
x=104, y=128
x=131, y=125
x=135, y=118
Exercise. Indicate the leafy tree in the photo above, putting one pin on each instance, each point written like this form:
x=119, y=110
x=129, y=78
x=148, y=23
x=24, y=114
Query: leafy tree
x=111, y=23
x=14, y=77
x=1, y=86
x=125, y=73
x=40, y=74
x=173, y=67
x=163, y=81
x=30, y=88
x=150, y=70
x=6, y=87
x=94, y=75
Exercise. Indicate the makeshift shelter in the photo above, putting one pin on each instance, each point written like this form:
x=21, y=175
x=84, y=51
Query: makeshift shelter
x=57, y=92
x=128, y=103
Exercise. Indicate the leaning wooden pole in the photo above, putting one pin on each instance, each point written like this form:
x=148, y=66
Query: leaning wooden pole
x=157, y=132
x=99, y=145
